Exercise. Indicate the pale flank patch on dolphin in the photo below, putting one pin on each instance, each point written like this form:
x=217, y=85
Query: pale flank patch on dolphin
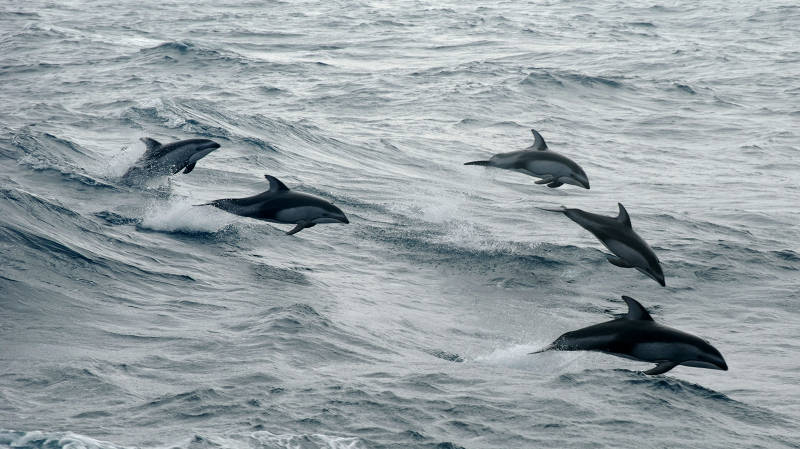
x=302, y=213
x=627, y=256
x=638, y=337
x=280, y=204
x=553, y=169
x=617, y=235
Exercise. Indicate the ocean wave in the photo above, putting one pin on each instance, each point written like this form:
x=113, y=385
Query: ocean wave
x=313, y=337
x=51, y=440
x=269, y=440
x=182, y=216
x=188, y=51
x=475, y=251
x=131, y=316
x=260, y=439
x=42, y=151
x=563, y=79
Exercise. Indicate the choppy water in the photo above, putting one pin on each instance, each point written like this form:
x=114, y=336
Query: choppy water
x=130, y=318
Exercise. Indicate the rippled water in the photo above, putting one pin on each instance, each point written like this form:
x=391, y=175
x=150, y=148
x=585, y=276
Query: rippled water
x=131, y=318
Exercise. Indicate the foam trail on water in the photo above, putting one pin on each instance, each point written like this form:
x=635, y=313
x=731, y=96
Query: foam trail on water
x=181, y=215
x=120, y=162
x=291, y=441
x=520, y=357
x=38, y=439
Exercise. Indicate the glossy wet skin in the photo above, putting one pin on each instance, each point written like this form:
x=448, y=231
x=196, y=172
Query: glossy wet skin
x=637, y=336
x=646, y=341
x=284, y=207
x=621, y=240
x=172, y=157
x=542, y=164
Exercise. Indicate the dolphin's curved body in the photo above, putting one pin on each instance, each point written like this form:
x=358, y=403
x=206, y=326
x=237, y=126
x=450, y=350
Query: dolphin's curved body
x=554, y=169
x=159, y=160
x=617, y=234
x=636, y=336
x=281, y=205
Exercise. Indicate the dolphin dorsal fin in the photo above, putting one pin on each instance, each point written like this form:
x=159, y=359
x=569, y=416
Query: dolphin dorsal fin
x=151, y=144
x=538, y=141
x=636, y=311
x=623, y=216
x=275, y=184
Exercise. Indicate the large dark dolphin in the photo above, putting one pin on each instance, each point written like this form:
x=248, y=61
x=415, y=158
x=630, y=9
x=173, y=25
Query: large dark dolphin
x=636, y=336
x=281, y=205
x=554, y=169
x=171, y=158
x=617, y=234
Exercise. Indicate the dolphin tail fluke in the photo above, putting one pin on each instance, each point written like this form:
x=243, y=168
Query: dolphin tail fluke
x=545, y=349
x=482, y=163
x=562, y=209
x=205, y=204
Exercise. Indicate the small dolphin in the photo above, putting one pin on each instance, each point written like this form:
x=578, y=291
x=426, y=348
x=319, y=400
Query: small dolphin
x=617, y=234
x=636, y=336
x=554, y=169
x=171, y=158
x=281, y=205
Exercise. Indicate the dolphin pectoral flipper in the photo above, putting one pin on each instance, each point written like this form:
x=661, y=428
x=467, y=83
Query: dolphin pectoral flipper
x=618, y=262
x=189, y=168
x=296, y=229
x=546, y=180
x=300, y=226
x=661, y=368
x=555, y=184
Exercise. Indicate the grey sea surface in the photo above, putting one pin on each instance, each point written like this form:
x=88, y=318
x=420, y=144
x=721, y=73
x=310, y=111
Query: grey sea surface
x=130, y=318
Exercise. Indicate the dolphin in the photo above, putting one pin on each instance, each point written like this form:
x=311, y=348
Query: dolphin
x=281, y=205
x=636, y=336
x=617, y=234
x=171, y=158
x=554, y=169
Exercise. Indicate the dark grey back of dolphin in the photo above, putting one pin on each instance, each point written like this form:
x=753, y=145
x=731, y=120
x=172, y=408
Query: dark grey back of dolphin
x=280, y=204
x=637, y=336
x=617, y=234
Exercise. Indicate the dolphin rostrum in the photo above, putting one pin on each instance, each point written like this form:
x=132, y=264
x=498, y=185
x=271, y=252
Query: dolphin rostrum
x=554, y=169
x=636, y=336
x=281, y=205
x=171, y=158
x=617, y=234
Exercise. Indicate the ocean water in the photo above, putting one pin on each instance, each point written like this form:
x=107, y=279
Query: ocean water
x=130, y=318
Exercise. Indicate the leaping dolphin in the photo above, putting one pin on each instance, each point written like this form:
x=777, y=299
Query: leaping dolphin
x=617, y=234
x=636, y=336
x=281, y=205
x=554, y=169
x=171, y=158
